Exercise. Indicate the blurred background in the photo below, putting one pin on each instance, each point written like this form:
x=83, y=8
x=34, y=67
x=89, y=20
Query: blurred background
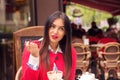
x=18, y=14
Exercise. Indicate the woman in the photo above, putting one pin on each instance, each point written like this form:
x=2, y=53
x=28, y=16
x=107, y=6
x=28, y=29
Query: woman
x=55, y=49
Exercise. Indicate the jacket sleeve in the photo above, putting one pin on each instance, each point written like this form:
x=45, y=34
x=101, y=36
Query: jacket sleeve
x=27, y=72
x=73, y=69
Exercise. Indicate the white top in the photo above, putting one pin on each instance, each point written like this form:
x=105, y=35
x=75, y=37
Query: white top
x=88, y=76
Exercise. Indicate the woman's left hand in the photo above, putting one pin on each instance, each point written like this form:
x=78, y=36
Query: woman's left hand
x=33, y=48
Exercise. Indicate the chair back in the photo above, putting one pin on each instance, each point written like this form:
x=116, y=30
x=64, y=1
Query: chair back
x=83, y=55
x=81, y=51
x=22, y=35
x=111, y=51
x=18, y=73
x=110, y=59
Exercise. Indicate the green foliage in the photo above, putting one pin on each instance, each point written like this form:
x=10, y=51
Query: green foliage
x=5, y=29
x=89, y=14
x=112, y=21
x=104, y=28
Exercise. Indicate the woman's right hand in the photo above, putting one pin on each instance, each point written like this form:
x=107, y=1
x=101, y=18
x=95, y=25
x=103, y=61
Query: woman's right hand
x=33, y=48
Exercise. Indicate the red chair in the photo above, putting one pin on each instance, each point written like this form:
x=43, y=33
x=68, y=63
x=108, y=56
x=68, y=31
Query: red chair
x=106, y=40
x=93, y=40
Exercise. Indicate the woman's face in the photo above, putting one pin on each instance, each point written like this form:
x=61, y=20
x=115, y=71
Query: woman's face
x=56, y=31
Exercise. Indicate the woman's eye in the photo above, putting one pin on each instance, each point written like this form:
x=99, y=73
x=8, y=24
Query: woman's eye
x=62, y=28
x=52, y=26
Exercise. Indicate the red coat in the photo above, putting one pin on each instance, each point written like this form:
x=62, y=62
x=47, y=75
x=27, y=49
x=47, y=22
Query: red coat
x=41, y=73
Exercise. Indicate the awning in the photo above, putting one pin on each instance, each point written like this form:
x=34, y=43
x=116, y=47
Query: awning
x=111, y=6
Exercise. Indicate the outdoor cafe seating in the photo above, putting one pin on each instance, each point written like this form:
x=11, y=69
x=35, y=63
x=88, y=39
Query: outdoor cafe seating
x=83, y=56
x=20, y=36
x=109, y=58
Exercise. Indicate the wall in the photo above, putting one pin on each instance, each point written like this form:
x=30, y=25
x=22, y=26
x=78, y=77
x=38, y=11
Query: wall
x=44, y=8
x=2, y=12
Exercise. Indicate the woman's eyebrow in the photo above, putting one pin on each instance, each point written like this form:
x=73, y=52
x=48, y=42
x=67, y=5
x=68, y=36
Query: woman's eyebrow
x=56, y=25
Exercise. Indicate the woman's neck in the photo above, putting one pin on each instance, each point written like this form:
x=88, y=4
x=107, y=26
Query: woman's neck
x=54, y=46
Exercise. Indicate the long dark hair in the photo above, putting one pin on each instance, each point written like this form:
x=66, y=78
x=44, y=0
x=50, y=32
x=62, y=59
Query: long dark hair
x=65, y=43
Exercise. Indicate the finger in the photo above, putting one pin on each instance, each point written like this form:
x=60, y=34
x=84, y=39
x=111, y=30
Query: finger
x=34, y=45
x=26, y=43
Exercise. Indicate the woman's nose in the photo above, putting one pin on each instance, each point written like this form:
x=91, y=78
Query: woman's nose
x=55, y=30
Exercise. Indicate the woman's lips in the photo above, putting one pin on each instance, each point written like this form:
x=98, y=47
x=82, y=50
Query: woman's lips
x=54, y=37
